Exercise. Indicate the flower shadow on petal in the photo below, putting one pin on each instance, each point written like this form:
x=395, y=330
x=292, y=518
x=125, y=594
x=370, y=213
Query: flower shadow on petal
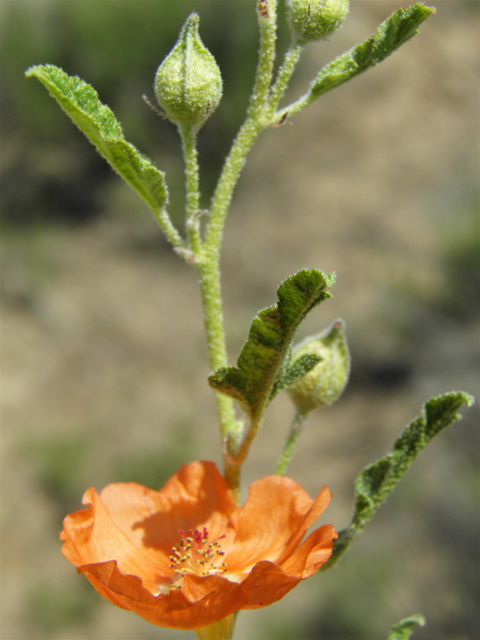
x=196, y=496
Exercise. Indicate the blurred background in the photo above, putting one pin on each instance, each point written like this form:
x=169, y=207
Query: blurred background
x=104, y=360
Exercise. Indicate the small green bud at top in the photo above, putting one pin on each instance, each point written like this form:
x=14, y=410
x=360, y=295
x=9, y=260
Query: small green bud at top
x=188, y=84
x=315, y=19
x=323, y=384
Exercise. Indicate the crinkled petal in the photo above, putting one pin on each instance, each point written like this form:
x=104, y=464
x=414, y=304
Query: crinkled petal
x=312, y=553
x=318, y=506
x=200, y=602
x=279, y=511
x=138, y=527
x=266, y=584
x=196, y=495
x=199, y=495
x=91, y=536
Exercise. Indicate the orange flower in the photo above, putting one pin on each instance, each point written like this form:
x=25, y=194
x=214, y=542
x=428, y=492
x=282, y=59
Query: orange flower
x=186, y=556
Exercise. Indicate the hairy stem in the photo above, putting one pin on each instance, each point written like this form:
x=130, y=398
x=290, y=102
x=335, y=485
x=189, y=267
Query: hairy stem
x=189, y=146
x=285, y=73
x=209, y=272
x=295, y=431
x=167, y=227
x=209, y=263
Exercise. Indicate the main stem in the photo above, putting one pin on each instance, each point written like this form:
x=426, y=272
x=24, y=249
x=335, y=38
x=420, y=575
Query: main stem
x=209, y=266
x=221, y=630
x=206, y=254
x=209, y=272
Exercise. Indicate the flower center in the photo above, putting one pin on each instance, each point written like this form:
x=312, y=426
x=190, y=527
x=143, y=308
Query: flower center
x=196, y=554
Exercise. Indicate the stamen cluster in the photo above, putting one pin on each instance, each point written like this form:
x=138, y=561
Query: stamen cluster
x=195, y=554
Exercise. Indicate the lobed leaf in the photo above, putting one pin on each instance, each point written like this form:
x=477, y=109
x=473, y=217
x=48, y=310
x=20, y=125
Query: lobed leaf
x=404, y=629
x=263, y=361
x=80, y=102
x=391, y=34
x=376, y=481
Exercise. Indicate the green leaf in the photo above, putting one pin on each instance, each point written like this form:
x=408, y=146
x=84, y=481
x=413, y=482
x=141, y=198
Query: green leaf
x=80, y=102
x=263, y=358
x=376, y=481
x=404, y=629
x=290, y=374
x=391, y=34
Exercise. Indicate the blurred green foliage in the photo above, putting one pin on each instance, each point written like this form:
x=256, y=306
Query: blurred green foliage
x=60, y=462
x=153, y=468
x=460, y=236
x=66, y=466
x=52, y=608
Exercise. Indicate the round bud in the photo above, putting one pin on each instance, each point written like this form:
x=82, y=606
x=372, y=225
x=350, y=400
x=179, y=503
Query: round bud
x=323, y=384
x=315, y=19
x=188, y=84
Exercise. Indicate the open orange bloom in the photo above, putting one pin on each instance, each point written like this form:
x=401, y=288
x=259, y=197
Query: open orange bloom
x=186, y=556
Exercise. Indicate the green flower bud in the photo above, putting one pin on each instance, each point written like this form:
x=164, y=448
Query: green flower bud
x=315, y=19
x=188, y=84
x=323, y=384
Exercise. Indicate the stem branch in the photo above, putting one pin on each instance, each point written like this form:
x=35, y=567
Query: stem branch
x=285, y=73
x=167, y=227
x=295, y=431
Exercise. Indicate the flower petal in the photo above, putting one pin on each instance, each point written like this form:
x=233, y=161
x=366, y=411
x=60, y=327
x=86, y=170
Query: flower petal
x=312, y=553
x=272, y=522
x=92, y=536
x=318, y=506
x=138, y=527
x=266, y=584
x=201, y=602
x=195, y=496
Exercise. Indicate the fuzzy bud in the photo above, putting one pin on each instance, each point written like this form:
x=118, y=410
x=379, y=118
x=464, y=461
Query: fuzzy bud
x=315, y=19
x=323, y=384
x=188, y=84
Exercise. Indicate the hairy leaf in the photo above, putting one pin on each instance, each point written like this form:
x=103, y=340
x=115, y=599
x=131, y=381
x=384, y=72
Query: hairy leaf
x=80, y=102
x=404, y=629
x=391, y=34
x=264, y=355
x=376, y=481
x=290, y=374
